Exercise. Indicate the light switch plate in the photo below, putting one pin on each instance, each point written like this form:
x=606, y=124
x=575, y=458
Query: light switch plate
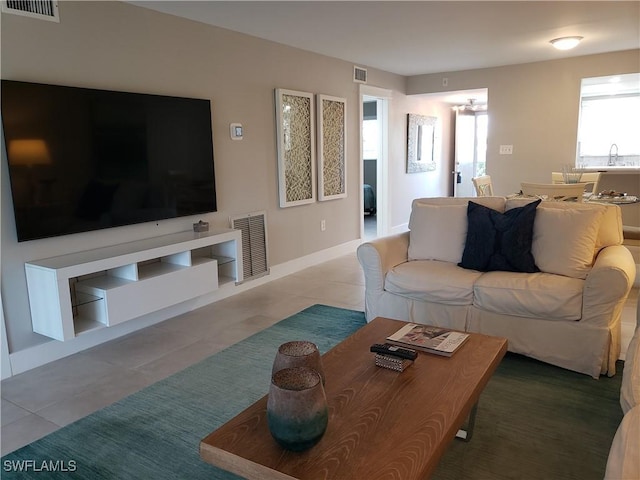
x=235, y=129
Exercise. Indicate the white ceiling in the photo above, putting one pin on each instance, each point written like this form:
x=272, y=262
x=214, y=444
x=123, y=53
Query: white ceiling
x=416, y=37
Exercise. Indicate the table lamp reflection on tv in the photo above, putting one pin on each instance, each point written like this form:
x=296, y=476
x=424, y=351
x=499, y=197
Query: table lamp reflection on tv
x=29, y=153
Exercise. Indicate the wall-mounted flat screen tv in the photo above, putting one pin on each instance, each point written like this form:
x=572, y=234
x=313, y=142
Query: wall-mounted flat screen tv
x=84, y=159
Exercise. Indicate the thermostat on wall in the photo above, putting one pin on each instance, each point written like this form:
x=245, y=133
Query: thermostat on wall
x=236, y=131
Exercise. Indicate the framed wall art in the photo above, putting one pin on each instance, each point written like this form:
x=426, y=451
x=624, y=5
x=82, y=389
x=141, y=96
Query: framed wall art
x=422, y=143
x=295, y=128
x=332, y=147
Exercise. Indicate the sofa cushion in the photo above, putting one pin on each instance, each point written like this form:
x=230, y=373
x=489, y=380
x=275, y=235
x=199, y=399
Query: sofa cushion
x=564, y=239
x=532, y=295
x=432, y=281
x=437, y=232
x=499, y=241
x=610, y=232
x=624, y=456
x=497, y=203
x=630, y=390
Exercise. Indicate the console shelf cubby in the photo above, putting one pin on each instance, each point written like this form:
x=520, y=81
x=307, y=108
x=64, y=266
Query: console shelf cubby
x=79, y=292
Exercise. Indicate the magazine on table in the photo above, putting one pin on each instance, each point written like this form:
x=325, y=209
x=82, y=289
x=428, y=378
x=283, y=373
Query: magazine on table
x=438, y=340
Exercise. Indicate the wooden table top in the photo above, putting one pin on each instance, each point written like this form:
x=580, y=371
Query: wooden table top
x=382, y=423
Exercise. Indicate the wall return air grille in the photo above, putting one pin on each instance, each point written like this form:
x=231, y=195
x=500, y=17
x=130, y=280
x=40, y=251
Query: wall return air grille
x=359, y=74
x=254, y=243
x=42, y=9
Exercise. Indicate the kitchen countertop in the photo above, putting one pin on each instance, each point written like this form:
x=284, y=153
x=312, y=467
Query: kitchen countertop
x=613, y=170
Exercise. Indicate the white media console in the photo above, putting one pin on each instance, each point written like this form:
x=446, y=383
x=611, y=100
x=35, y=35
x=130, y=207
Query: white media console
x=83, y=291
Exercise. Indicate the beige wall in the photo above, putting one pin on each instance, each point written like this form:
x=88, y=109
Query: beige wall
x=405, y=187
x=118, y=46
x=533, y=107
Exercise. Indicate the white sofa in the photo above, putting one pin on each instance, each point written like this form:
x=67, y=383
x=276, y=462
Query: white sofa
x=624, y=456
x=567, y=314
x=632, y=242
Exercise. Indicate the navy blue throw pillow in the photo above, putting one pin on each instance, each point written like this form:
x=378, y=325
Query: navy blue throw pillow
x=500, y=241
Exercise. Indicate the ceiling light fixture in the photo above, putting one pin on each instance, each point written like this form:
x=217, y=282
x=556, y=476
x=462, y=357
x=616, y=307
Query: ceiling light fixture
x=565, y=43
x=471, y=105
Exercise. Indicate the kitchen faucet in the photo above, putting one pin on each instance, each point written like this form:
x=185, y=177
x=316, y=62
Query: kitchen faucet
x=613, y=161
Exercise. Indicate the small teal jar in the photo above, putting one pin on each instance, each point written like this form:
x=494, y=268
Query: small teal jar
x=297, y=412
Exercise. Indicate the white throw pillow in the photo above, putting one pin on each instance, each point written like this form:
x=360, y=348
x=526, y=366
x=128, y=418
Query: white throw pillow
x=437, y=232
x=610, y=232
x=564, y=239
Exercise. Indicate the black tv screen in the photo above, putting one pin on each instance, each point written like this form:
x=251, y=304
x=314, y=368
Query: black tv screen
x=84, y=159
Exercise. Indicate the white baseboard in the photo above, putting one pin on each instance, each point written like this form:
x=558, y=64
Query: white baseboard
x=5, y=359
x=38, y=355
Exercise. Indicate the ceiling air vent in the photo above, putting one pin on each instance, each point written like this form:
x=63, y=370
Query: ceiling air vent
x=359, y=75
x=42, y=9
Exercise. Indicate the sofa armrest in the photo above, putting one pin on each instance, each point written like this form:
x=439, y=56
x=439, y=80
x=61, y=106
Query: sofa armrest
x=608, y=283
x=379, y=256
x=624, y=455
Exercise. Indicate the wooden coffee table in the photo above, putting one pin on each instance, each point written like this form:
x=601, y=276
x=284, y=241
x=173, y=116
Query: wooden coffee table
x=382, y=424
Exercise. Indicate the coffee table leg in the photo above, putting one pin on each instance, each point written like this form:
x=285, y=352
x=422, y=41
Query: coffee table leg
x=465, y=433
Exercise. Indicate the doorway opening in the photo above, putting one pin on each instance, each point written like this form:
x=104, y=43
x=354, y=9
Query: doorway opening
x=470, y=149
x=370, y=154
x=374, y=153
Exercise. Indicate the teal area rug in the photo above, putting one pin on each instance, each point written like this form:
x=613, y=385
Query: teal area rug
x=539, y=422
x=534, y=421
x=155, y=433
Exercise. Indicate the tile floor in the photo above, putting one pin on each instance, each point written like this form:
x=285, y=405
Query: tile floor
x=370, y=226
x=42, y=400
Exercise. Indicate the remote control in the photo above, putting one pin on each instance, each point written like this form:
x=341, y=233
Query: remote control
x=388, y=349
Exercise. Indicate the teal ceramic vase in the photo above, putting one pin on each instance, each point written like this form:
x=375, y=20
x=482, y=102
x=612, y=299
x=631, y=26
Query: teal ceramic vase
x=298, y=353
x=297, y=412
